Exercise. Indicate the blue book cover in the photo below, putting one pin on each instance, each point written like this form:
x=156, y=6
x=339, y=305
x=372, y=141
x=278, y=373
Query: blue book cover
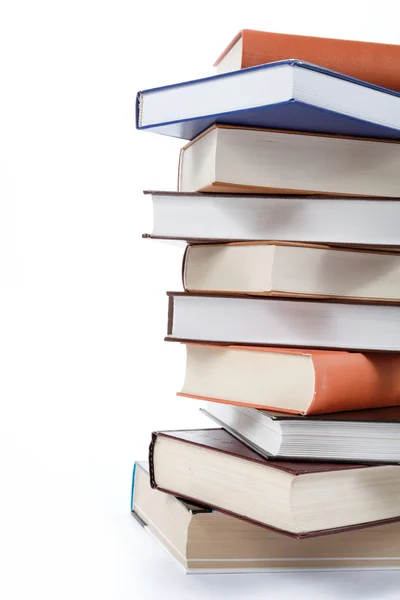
x=133, y=486
x=289, y=95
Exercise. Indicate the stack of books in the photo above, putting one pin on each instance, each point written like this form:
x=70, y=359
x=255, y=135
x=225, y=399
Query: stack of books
x=289, y=200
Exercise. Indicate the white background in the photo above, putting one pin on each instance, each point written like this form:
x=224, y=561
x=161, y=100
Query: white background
x=84, y=373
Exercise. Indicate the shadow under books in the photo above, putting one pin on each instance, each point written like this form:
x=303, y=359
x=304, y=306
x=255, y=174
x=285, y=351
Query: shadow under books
x=345, y=584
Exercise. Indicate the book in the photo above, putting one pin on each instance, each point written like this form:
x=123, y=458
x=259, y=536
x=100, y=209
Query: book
x=285, y=269
x=288, y=94
x=360, y=435
x=299, y=381
x=202, y=540
x=369, y=61
x=224, y=217
x=297, y=498
x=266, y=321
x=242, y=160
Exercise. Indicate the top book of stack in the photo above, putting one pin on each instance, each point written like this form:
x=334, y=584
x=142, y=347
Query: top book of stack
x=368, y=61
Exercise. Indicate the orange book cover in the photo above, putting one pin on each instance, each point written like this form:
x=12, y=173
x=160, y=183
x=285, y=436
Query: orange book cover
x=369, y=61
x=343, y=380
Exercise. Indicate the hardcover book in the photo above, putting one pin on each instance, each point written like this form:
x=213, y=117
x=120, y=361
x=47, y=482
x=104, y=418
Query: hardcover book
x=284, y=269
x=299, y=381
x=288, y=94
x=360, y=435
x=370, y=61
x=242, y=160
x=300, y=499
x=225, y=217
x=202, y=540
x=289, y=322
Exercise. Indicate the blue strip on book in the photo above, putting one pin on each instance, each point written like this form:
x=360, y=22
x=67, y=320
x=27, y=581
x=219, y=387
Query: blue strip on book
x=133, y=486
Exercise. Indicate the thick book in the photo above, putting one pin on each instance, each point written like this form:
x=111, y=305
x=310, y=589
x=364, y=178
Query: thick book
x=289, y=269
x=202, y=540
x=288, y=94
x=361, y=435
x=299, y=381
x=326, y=220
x=267, y=321
x=370, y=61
x=300, y=499
x=233, y=159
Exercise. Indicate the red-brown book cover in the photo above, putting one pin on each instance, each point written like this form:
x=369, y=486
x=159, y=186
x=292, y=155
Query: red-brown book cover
x=218, y=440
x=369, y=61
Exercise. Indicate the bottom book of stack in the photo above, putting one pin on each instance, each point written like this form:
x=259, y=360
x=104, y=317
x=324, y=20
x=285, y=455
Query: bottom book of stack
x=203, y=540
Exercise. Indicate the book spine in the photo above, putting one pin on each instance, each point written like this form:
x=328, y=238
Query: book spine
x=138, y=114
x=133, y=487
x=184, y=266
x=180, y=167
x=170, y=315
x=153, y=483
x=355, y=381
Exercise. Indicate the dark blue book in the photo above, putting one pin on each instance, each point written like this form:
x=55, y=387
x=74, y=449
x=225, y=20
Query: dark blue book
x=290, y=95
